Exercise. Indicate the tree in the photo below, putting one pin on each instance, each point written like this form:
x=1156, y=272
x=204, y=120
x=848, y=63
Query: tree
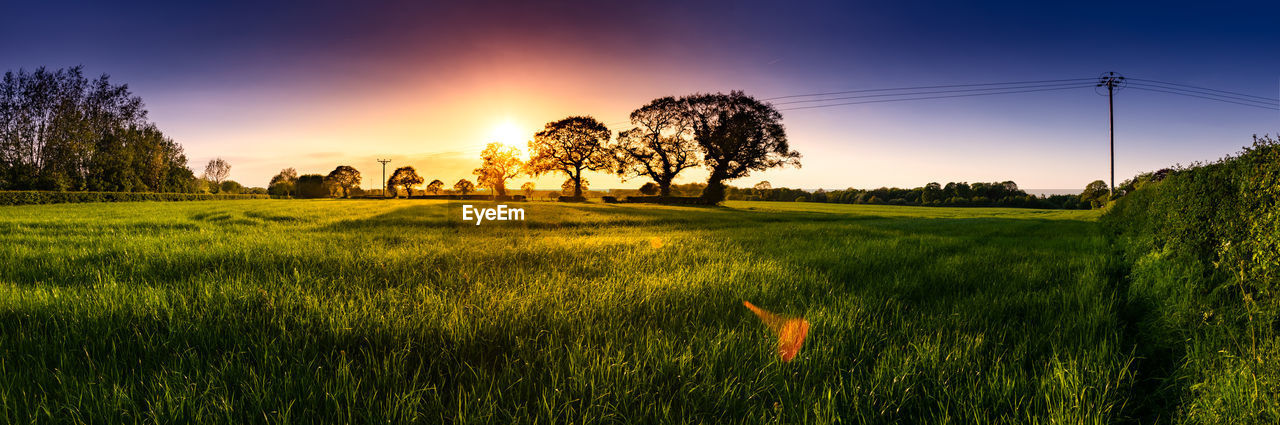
x=501, y=163
x=231, y=187
x=660, y=146
x=312, y=186
x=435, y=187
x=527, y=188
x=762, y=186
x=571, y=145
x=282, y=184
x=217, y=171
x=463, y=187
x=1095, y=194
x=575, y=188
x=62, y=131
x=737, y=135
x=405, y=177
x=651, y=188
x=344, y=177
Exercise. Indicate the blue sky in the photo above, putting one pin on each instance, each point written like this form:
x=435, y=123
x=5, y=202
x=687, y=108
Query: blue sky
x=316, y=84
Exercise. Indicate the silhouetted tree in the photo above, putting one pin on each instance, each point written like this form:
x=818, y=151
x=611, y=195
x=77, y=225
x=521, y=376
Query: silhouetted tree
x=650, y=189
x=501, y=163
x=405, y=177
x=660, y=146
x=463, y=187
x=571, y=145
x=435, y=187
x=737, y=134
x=344, y=177
x=527, y=188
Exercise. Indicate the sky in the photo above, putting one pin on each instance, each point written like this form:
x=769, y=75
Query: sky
x=316, y=84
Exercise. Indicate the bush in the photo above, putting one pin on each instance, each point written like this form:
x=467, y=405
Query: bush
x=571, y=199
x=33, y=197
x=1203, y=249
x=610, y=199
x=670, y=200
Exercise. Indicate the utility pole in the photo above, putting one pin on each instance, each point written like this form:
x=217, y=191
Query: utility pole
x=384, y=176
x=1113, y=82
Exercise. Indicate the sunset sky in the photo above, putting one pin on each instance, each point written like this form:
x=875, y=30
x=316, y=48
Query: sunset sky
x=315, y=84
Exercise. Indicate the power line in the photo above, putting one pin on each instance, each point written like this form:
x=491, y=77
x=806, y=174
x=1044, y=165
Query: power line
x=935, y=97
x=1205, y=88
x=1275, y=108
x=1075, y=84
x=930, y=87
x=1210, y=95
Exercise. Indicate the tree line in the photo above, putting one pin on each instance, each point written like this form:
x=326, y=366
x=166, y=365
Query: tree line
x=730, y=134
x=59, y=130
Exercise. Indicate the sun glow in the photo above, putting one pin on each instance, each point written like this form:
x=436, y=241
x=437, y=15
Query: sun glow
x=509, y=134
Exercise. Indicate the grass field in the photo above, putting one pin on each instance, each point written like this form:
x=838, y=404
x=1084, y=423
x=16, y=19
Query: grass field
x=286, y=311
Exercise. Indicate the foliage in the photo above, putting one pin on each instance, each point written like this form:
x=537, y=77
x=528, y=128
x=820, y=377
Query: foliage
x=527, y=188
x=500, y=163
x=660, y=146
x=403, y=178
x=651, y=188
x=344, y=177
x=435, y=187
x=571, y=146
x=231, y=187
x=1096, y=194
x=217, y=171
x=282, y=184
x=61, y=131
x=463, y=187
x=737, y=134
x=312, y=186
x=574, y=188
x=33, y=197
x=1203, y=245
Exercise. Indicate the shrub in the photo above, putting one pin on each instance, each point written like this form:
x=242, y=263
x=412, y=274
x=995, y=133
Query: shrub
x=31, y=197
x=1203, y=248
x=670, y=200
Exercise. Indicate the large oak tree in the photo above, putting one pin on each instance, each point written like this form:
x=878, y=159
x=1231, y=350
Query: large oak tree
x=571, y=145
x=737, y=134
x=660, y=146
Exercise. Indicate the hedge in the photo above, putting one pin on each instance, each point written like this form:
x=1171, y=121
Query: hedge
x=671, y=200
x=1201, y=249
x=33, y=197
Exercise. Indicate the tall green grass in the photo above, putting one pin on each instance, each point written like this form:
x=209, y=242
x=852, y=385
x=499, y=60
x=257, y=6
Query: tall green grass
x=1203, y=249
x=287, y=311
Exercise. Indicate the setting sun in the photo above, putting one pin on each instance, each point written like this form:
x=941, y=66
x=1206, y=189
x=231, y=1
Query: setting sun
x=508, y=133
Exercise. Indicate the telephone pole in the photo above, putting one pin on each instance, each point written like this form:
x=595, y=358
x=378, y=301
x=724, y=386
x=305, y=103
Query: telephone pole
x=1113, y=82
x=384, y=176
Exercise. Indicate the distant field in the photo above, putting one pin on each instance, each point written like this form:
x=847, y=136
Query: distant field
x=289, y=311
